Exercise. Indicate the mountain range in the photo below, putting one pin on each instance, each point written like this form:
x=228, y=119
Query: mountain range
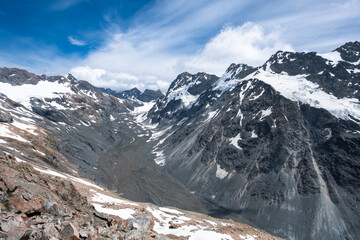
x=275, y=146
x=147, y=96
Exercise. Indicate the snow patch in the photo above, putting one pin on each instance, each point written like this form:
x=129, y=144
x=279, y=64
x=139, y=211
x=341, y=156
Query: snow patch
x=329, y=133
x=182, y=121
x=248, y=237
x=334, y=57
x=252, y=98
x=85, y=124
x=82, y=181
x=102, y=198
x=19, y=160
x=159, y=157
x=234, y=141
x=298, y=88
x=56, y=105
x=6, y=132
x=169, y=210
x=125, y=213
x=50, y=172
x=42, y=90
x=157, y=134
x=265, y=113
x=25, y=127
x=162, y=225
x=181, y=93
x=253, y=134
x=211, y=115
x=220, y=173
x=211, y=222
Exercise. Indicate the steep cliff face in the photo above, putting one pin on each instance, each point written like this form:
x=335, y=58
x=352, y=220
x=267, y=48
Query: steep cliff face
x=134, y=93
x=80, y=119
x=278, y=144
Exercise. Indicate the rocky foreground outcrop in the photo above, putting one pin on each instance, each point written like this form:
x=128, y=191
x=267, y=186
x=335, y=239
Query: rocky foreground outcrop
x=39, y=203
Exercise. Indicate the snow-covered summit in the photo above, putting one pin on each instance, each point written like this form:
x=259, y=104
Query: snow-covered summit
x=183, y=93
x=325, y=81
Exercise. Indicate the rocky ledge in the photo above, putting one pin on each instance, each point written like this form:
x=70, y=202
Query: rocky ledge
x=40, y=203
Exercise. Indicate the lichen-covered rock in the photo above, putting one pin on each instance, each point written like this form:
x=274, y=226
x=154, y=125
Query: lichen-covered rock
x=136, y=234
x=5, y=117
x=69, y=232
x=140, y=223
x=51, y=208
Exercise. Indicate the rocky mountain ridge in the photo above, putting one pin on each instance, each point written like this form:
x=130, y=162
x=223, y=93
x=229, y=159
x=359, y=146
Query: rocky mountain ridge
x=134, y=93
x=272, y=142
x=275, y=145
x=41, y=193
x=40, y=203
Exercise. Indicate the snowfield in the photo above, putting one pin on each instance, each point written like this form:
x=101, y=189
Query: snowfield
x=41, y=90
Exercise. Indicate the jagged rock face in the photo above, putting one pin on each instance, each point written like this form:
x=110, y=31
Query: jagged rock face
x=350, y=51
x=239, y=71
x=35, y=205
x=150, y=95
x=16, y=76
x=5, y=117
x=110, y=91
x=81, y=118
x=285, y=157
x=132, y=93
x=38, y=206
x=127, y=94
x=337, y=78
x=55, y=205
x=181, y=96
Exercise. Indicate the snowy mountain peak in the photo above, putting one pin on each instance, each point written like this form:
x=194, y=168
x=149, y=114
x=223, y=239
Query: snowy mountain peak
x=132, y=93
x=183, y=92
x=195, y=82
x=150, y=95
x=71, y=78
x=266, y=139
x=238, y=71
x=350, y=52
x=269, y=139
x=16, y=76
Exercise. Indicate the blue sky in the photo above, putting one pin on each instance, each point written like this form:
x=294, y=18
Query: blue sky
x=146, y=43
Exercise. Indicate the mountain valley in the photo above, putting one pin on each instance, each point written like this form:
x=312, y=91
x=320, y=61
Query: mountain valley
x=276, y=147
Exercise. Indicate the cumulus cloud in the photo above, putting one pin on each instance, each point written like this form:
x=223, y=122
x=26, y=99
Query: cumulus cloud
x=249, y=44
x=166, y=38
x=126, y=61
x=117, y=80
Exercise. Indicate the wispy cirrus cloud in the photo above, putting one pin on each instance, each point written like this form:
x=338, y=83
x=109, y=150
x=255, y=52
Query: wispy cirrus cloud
x=60, y=5
x=166, y=38
x=249, y=43
x=75, y=41
x=209, y=35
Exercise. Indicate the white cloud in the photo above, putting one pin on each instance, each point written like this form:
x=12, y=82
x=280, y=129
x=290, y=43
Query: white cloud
x=117, y=80
x=169, y=37
x=126, y=62
x=166, y=43
x=76, y=42
x=249, y=44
